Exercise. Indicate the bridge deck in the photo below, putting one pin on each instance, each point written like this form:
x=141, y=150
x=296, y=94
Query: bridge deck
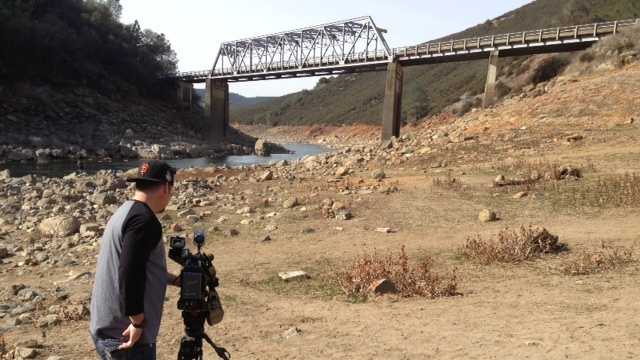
x=567, y=38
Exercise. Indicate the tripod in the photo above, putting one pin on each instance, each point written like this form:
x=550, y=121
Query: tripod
x=191, y=343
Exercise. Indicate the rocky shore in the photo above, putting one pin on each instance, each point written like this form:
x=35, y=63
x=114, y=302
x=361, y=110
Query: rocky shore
x=38, y=123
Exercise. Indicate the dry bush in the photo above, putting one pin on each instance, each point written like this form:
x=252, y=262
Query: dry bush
x=417, y=279
x=511, y=246
x=3, y=347
x=605, y=258
x=604, y=192
x=448, y=182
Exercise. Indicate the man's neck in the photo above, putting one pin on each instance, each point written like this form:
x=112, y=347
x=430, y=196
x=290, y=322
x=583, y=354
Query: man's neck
x=142, y=197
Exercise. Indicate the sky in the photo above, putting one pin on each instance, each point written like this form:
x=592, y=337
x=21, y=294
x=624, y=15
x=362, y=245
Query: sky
x=196, y=28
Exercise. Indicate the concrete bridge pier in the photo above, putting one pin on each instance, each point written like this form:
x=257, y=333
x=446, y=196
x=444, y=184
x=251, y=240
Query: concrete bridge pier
x=392, y=107
x=217, y=106
x=490, y=94
x=185, y=93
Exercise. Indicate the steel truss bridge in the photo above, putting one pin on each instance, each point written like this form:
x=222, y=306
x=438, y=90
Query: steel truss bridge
x=358, y=45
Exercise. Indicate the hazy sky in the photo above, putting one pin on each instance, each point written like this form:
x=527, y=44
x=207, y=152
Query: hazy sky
x=196, y=28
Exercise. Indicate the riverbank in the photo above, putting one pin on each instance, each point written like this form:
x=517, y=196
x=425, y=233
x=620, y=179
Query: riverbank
x=40, y=124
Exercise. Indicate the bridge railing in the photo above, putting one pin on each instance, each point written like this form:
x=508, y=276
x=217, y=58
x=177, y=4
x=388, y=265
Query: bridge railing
x=517, y=38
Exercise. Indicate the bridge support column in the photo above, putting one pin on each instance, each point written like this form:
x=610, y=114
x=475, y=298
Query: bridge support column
x=490, y=94
x=392, y=107
x=217, y=106
x=185, y=93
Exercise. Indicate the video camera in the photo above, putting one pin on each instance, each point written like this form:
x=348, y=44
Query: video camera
x=199, y=299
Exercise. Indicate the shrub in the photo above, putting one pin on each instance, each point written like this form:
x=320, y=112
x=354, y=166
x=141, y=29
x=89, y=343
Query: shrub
x=605, y=258
x=511, y=246
x=409, y=279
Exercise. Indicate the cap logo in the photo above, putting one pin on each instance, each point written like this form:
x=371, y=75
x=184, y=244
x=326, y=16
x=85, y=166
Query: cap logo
x=144, y=169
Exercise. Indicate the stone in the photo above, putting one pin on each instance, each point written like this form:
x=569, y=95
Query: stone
x=293, y=275
x=245, y=210
x=271, y=227
x=231, y=233
x=266, y=176
x=26, y=353
x=383, y=286
x=385, y=230
x=89, y=228
x=290, y=203
x=59, y=226
x=344, y=215
x=5, y=174
x=104, y=199
x=292, y=332
x=574, y=138
x=187, y=212
x=48, y=321
x=262, y=148
x=378, y=175
x=487, y=215
x=176, y=227
x=520, y=195
x=342, y=171
x=266, y=239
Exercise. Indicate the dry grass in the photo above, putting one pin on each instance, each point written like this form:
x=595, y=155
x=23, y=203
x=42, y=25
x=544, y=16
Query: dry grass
x=605, y=258
x=511, y=246
x=417, y=279
x=604, y=192
x=448, y=182
x=540, y=169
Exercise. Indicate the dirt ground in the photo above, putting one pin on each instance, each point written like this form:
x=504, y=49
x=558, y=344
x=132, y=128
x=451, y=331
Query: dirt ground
x=529, y=310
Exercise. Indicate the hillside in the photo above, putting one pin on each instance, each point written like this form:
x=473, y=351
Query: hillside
x=430, y=88
x=237, y=101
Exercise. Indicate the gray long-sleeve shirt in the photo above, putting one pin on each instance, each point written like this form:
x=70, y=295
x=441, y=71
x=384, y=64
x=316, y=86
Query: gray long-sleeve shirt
x=131, y=275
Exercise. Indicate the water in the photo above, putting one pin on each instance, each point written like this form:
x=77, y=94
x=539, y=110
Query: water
x=62, y=168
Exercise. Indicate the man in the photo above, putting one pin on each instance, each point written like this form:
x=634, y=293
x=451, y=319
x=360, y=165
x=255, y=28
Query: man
x=131, y=275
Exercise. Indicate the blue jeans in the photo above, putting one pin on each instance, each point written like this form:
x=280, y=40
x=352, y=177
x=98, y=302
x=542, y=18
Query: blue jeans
x=107, y=349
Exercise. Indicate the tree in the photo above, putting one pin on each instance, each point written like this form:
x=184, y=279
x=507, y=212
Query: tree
x=115, y=8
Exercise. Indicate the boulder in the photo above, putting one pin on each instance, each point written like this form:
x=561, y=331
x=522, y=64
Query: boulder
x=262, y=148
x=5, y=174
x=59, y=226
x=487, y=215
x=290, y=203
x=104, y=199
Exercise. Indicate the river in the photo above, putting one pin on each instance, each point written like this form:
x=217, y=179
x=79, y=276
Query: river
x=62, y=168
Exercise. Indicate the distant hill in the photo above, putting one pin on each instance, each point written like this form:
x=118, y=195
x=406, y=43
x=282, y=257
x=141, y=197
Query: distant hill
x=429, y=88
x=237, y=101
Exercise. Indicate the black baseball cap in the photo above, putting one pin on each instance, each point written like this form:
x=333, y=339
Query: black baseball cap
x=154, y=171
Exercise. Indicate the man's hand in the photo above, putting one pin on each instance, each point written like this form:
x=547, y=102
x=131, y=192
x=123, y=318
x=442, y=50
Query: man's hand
x=134, y=335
